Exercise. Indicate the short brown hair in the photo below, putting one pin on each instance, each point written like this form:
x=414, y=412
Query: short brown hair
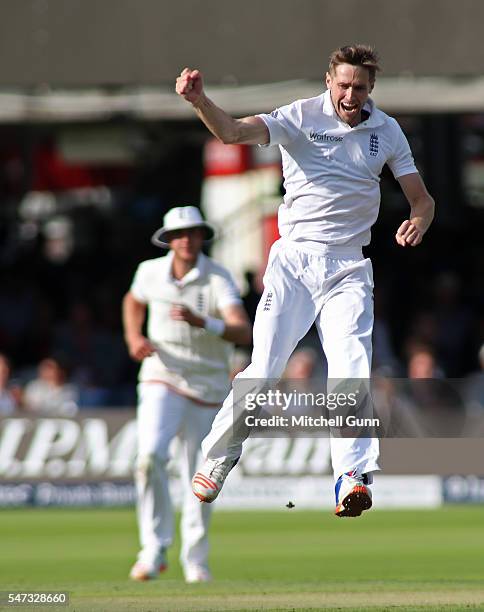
x=356, y=55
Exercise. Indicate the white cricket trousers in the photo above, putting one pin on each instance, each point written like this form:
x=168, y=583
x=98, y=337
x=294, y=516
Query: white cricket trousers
x=162, y=415
x=302, y=286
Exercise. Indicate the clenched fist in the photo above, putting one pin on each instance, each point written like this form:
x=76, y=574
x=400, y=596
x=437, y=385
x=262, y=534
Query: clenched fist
x=408, y=234
x=189, y=85
x=140, y=347
x=178, y=312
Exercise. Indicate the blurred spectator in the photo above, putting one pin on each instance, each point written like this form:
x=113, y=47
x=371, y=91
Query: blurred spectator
x=422, y=363
x=9, y=393
x=423, y=330
x=50, y=393
x=398, y=417
x=474, y=386
x=435, y=398
x=301, y=364
x=423, y=405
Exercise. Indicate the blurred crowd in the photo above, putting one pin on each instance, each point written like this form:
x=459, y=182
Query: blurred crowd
x=67, y=256
x=57, y=368
x=80, y=361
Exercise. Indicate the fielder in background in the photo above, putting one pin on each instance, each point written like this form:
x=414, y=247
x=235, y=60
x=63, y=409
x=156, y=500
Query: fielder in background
x=333, y=147
x=195, y=314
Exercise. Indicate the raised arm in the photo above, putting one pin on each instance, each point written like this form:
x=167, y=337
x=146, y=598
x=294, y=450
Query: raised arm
x=411, y=231
x=248, y=130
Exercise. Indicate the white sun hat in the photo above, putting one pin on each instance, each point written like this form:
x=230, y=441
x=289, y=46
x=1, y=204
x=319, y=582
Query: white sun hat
x=181, y=217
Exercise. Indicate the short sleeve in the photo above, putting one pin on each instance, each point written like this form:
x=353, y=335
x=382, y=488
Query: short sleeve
x=226, y=292
x=284, y=124
x=139, y=285
x=401, y=162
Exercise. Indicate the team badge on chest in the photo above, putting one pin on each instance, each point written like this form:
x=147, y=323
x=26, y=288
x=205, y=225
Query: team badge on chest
x=374, y=144
x=200, y=302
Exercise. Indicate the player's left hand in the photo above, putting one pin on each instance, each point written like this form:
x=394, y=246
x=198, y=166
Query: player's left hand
x=408, y=234
x=178, y=312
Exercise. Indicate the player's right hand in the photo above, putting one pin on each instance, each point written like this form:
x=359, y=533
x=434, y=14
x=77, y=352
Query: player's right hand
x=189, y=85
x=140, y=347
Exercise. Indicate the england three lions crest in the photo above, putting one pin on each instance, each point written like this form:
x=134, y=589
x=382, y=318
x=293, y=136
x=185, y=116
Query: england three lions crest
x=374, y=144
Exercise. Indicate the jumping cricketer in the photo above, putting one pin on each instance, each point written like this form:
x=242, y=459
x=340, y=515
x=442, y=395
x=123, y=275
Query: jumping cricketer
x=333, y=148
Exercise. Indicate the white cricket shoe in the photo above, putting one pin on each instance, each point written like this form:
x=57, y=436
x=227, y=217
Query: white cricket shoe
x=197, y=573
x=353, y=496
x=208, y=481
x=142, y=571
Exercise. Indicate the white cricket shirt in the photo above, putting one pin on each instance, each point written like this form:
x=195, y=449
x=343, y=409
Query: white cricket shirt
x=332, y=171
x=188, y=358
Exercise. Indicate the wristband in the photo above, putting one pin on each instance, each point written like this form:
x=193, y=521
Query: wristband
x=214, y=326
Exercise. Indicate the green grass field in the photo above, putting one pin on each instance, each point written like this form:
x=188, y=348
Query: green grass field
x=290, y=560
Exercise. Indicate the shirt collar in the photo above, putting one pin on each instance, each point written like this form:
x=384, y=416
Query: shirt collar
x=195, y=273
x=375, y=118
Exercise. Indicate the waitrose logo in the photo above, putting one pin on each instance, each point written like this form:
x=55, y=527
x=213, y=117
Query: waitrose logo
x=324, y=137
